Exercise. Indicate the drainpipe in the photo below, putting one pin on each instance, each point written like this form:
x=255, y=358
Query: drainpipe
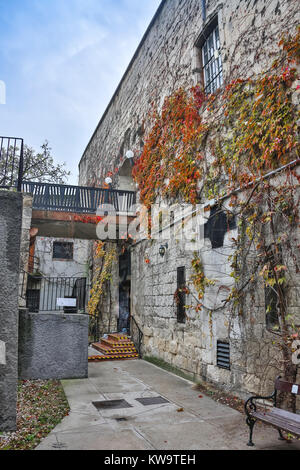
x=204, y=10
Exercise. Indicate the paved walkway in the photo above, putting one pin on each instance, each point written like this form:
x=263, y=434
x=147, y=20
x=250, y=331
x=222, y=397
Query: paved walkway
x=202, y=424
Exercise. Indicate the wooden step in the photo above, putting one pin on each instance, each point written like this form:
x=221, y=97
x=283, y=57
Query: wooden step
x=117, y=337
x=107, y=350
x=113, y=348
x=115, y=344
x=118, y=357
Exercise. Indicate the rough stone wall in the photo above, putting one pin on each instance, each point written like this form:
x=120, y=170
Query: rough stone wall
x=255, y=359
x=166, y=60
x=76, y=267
x=109, y=305
x=24, y=248
x=190, y=346
x=10, y=238
x=53, y=346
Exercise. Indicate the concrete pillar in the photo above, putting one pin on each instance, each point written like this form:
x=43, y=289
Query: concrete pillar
x=10, y=238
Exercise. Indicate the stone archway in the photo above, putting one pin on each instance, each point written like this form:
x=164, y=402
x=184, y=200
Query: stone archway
x=125, y=180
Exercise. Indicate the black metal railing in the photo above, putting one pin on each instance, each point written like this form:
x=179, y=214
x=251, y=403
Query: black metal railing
x=136, y=335
x=79, y=199
x=94, y=329
x=57, y=294
x=11, y=162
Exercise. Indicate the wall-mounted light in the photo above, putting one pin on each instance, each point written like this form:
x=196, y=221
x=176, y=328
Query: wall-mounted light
x=129, y=154
x=108, y=180
x=163, y=249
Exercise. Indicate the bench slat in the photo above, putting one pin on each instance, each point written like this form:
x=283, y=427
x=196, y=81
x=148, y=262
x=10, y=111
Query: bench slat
x=277, y=422
x=292, y=417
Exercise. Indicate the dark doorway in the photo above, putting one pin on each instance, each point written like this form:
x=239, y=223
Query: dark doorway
x=181, y=285
x=124, y=293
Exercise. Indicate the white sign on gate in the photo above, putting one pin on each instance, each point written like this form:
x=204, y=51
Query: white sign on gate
x=2, y=353
x=66, y=302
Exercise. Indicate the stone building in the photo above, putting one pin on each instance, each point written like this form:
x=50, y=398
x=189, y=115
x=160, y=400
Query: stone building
x=191, y=42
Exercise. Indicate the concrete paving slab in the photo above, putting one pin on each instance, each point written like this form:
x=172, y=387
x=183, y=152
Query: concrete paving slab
x=183, y=436
x=118, y=386
x=202, y=424
x=204, y=407
x=235, y=434
x=102, y=440
x=78, y=420
x=81, y=395
x=167, y=415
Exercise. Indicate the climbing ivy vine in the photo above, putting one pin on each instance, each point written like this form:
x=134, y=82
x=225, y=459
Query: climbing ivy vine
x=228, y=143
x=103, y=275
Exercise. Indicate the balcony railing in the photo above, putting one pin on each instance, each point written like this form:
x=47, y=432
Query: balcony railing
x=78, y=199
x=11, y=162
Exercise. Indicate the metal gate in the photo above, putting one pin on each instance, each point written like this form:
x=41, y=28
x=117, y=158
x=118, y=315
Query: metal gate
x=57, y=294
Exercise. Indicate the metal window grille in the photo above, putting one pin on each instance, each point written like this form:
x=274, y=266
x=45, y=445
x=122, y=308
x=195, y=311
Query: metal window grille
x=181, y=317
x=33, y=300
x=212, y=62
x=271, y=303
x=63, y=250
x=223, y=355
x=271, y=293
x=11, y=162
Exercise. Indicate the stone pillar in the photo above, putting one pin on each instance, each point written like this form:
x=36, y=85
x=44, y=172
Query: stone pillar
x=10, y=238
x=24, y=247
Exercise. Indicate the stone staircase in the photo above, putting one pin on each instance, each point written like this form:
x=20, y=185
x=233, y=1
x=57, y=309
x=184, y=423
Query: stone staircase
x=113, y=348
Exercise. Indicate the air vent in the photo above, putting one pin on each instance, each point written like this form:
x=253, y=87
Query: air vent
x=223, y=355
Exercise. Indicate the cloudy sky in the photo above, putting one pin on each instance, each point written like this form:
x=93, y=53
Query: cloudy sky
x=61, y=61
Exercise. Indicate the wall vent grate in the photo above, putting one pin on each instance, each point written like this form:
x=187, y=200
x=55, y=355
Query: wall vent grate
x=223, y=355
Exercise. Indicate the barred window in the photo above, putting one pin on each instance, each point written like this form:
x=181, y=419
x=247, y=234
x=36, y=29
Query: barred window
x=274, y=256
x=212, y=61
x=181, y=297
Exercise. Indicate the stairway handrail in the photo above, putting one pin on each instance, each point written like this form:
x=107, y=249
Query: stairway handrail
x=140, y=335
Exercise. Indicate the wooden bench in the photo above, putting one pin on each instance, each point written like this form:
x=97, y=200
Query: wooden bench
x=279, y=419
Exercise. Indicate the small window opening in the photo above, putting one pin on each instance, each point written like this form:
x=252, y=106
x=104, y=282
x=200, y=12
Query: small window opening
x=218, y=224
x=181, y=295
x=211, y=58
x=274, y=257
x=63, y=250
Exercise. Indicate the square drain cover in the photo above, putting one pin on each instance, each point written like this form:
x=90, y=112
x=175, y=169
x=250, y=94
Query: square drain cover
x=111, y=404
x=152, y=401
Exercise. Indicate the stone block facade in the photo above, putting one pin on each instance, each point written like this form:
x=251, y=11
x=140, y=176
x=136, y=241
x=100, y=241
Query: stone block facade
x=10, y=239
x=169, y=58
